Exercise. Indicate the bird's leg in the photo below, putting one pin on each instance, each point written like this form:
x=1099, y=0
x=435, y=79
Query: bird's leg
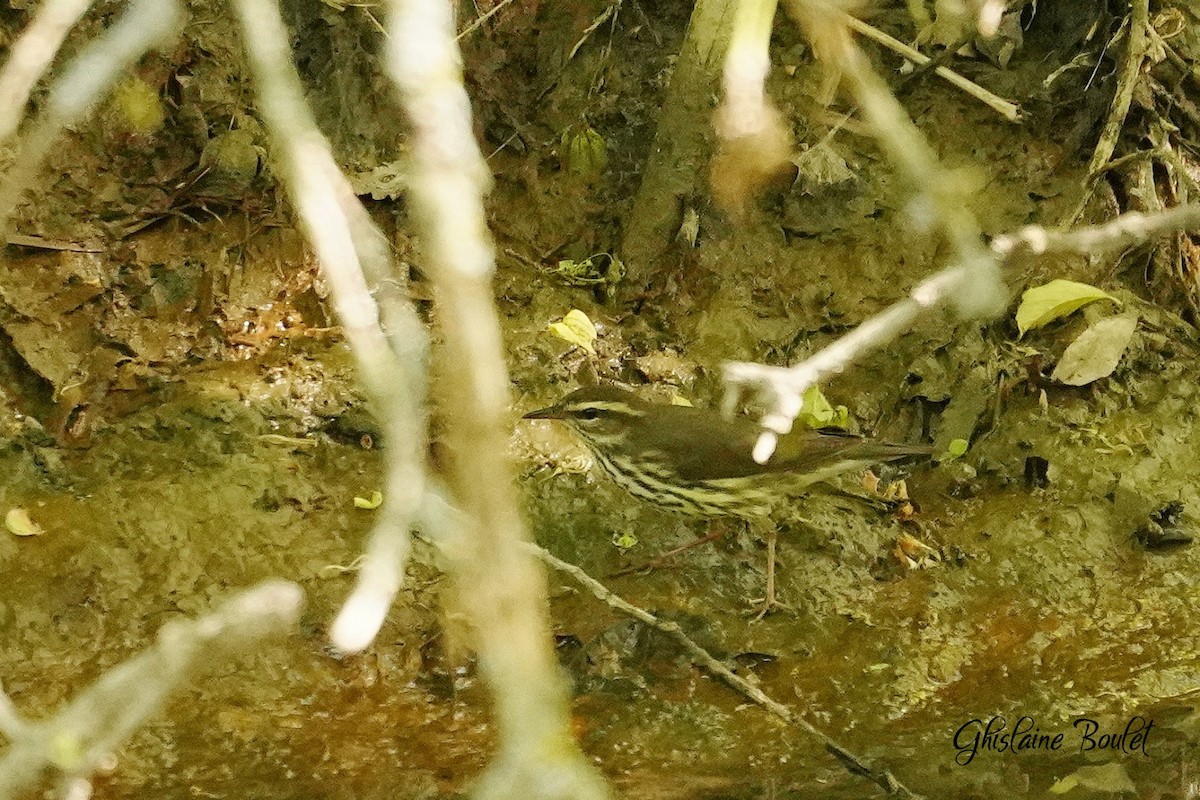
x=714, y=532
x=769, y=602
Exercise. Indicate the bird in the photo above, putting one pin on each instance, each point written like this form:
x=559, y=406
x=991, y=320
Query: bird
x=698, y=461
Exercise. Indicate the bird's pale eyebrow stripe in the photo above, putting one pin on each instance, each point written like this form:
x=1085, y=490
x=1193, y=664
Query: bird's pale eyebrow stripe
x=612, y=406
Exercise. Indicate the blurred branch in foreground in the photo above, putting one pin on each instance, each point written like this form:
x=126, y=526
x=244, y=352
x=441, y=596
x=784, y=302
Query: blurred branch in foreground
x=391, y=365
x=498, y=582
x=85, y=734
x=31, y=55
x=143, y=25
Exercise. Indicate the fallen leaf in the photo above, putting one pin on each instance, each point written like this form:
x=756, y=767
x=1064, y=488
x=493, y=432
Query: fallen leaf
x=374, y=501
x=1110, y=777
x=1058, y=298
x=577, y=329
x=818, y=412
x=18, y=522
x=1096, y=352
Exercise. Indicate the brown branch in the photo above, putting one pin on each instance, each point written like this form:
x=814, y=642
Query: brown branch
x=1131, y=67
x=706, y=660
x=1010, y=111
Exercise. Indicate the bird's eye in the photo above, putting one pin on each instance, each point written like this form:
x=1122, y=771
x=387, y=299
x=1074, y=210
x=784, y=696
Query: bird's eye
x=589, y=413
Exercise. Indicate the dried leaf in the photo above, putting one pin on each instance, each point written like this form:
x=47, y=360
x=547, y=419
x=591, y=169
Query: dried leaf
x=375, y=501
x=577, y=329
x=821, y=166
x=19, y=523
x=1096, y=352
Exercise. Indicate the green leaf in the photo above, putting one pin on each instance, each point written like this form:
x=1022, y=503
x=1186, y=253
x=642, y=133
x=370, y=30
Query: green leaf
x=1064, y=785
x=602, y=269
x=818, y=412
x=1058, y=298
x=1110, y=778
x=585, y=152
x=624, y=541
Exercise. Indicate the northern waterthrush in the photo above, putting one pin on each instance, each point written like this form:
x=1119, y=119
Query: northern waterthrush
x=697, y=461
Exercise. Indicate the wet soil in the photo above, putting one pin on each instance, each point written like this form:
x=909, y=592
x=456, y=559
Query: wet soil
x=181, y=418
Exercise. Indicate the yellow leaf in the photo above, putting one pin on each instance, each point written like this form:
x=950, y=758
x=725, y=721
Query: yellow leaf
x=1064, y=785
x=575, y=328
x=18, y=522
x=1058, y=298
x=375, y=501
x=680, y=400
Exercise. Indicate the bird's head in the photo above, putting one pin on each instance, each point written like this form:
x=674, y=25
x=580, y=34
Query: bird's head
x=601, y=414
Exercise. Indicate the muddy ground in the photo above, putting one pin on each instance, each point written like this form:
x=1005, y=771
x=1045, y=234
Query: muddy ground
x=180, y=416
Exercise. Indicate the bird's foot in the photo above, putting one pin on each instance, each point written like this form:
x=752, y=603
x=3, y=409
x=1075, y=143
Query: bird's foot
x=763, y=606
x=769, y=602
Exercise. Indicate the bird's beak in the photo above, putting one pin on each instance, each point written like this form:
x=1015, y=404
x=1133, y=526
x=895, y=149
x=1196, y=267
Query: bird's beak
x=549, y=412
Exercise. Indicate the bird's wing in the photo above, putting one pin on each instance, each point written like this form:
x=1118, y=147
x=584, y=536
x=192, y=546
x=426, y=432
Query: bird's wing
x=703, y=444
x=709, y=446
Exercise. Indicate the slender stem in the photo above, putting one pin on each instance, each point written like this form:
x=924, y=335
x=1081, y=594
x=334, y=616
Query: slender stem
x=710, y=663
x=1010, y=111
x=349, y=246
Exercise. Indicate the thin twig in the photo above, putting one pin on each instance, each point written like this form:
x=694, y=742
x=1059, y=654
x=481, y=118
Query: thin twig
x=479, y=21
x=143, y=25
x=11, y=723
x=783, y=387
x=349, y=246
x=974, y=285
x=854, y=763
x=1010, y=111
x=496, y=581
x=596, y=23
x=789, y=382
